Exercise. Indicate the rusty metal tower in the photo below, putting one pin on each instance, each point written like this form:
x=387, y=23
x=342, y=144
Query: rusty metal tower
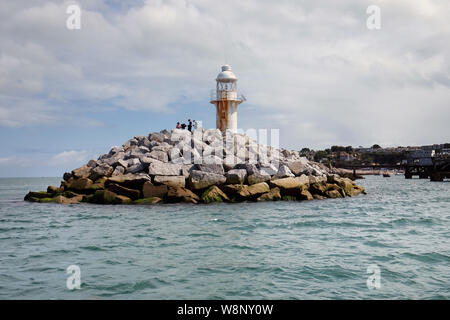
x=226, y=99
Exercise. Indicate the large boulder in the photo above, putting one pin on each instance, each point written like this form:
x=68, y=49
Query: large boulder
x=60, y=199
x=158, y=168
x=290, y=183
x=273, y=195
x=133, y=194
x=82, y=172
x=181, y=195
x=214, y=194
x=213, y=168
x=297, y=167
x=156, y=136
x=305, y=194
x=108, y=197
x=159, y=155
x=151, y=190
x=79, y=184
x=258, y=177
x=119, y=170
x=283, y=172
x=103, y=170
x=236, y=176
x=253, y=191
x=34, y=196
x=136, y=168
x=133, y=181
x=230, y=162
x=173, y=181
x=232, y=190
x=200, y=180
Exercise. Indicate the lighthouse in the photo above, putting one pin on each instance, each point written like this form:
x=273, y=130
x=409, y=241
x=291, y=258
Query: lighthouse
x=226, y=100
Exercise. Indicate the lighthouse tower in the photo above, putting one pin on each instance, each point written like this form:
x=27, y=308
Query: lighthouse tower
x=226, y=100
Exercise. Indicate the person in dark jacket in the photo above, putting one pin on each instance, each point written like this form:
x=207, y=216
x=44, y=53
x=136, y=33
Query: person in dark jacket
x=190, y=125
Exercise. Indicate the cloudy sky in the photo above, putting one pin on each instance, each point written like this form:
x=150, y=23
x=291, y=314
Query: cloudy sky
x=310, y=68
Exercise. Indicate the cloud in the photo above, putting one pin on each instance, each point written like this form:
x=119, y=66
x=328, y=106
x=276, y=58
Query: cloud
x=71, y=157
x=312, y=69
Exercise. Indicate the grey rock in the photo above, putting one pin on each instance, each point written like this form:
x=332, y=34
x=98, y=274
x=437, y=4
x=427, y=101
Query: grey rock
x=159, y=155
x=283, y=172
x=236, y=176
x=257, y=177
x=101, y=171
x=119, y=170
x=213, y=168
x=158, y=168
x=92, y=163
x=200, y=180
x=144, y=149
x=173, y=181
x=139, y=167
x=156, y=136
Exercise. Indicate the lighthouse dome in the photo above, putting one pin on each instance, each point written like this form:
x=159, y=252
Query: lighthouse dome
x=226, y=75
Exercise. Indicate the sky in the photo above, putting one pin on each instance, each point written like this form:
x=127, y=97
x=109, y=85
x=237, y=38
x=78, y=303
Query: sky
x=312, y=69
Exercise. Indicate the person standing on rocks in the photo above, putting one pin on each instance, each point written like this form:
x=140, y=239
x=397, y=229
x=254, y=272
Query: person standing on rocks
x=190, y=125
x=178, y=125
x=183, y=126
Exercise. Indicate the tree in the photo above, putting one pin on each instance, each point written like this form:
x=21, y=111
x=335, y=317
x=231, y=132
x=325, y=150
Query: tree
x=376, y=146
x=320, y=155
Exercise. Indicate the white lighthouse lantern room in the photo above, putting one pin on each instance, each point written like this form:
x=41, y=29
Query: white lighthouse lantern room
x=226, y=100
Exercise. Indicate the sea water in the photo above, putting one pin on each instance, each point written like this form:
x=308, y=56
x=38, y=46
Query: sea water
x=318, y=249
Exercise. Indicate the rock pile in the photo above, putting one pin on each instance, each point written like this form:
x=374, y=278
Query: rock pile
x=200, y=167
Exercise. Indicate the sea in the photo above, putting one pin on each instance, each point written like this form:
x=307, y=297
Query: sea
x=393, y=243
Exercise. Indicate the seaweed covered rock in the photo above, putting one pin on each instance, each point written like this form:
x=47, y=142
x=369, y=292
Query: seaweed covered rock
x=214, y=194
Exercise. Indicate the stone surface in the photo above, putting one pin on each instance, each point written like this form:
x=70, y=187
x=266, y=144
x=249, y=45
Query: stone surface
x=80, y=184
x=133, y=194
x=290, y=183
x=101, y=171
x=236, y=176
x=258, y=177
x=200, y=180
x=273, y=195
x=173, y=181
x=213, y=168
x=296, y=167
x=151, y=190
x=147, y=201
x=82, y=172
x=214, y=194
x=108, y=197
x=159, y=155
x=164, y=169
x=63, y=200
x=133, y=181
x=181, y=195
x=139, y=167
x=254, y=190
x=283, y=172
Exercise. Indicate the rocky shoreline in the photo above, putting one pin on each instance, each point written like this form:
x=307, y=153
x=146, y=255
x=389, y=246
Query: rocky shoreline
x=201, y=167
